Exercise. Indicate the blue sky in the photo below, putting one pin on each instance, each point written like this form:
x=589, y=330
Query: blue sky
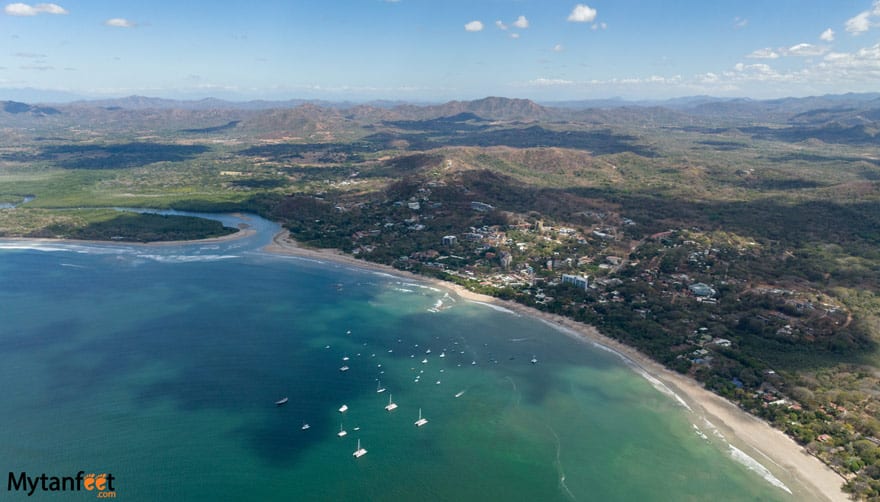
x=434, y=50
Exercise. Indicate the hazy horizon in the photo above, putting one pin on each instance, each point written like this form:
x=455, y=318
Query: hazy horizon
x=411, y=51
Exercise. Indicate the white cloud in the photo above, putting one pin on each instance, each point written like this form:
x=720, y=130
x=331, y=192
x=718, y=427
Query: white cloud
x=500, y=25
x=827, y=35
x=514, y=35
x=549, y=82
x=740, y=23
x=23, y=9
x=708, y=78
x=558, y=48
x=865, y=20
x=474, y=26
x=521, y=22
x=118, y=22
x=860, y=23
x=766, y=53
x=865, y=59
x=598, y=26
x=582, y=14
x=805, y=50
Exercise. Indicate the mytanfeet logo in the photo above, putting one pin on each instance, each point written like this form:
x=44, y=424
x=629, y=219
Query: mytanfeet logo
x=101, y=484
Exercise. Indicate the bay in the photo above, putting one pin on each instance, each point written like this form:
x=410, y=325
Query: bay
x=162, y=364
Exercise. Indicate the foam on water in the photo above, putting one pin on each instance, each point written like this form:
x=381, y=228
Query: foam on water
x=61, y=247
x=184, y=258
x=495, y=307
x=756, y=467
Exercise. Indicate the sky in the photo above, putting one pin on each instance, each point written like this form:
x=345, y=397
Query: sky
x=437, y=50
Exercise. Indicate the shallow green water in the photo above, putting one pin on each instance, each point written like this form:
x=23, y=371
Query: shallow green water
x=162, y=365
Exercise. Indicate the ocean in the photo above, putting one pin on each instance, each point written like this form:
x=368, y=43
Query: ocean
x=161, y=365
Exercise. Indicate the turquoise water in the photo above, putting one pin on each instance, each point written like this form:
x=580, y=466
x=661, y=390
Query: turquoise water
x=161, y=365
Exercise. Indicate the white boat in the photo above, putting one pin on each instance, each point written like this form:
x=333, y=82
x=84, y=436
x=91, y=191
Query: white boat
x=425, y=361
x=443, y=354
x=345, y=358
x=459, y=393
x=343, y=408
x=357, y=428
x=391, y=404
x=305, y=426
x=360, y=452
x=341, y=432
x=534, y=360
x=421, y=421
x=379, y=388
x=281, y=401
x=343, y=368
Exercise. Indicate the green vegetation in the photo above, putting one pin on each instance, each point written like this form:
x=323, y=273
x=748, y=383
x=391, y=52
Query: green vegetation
x=742, y=249
x=108, y=224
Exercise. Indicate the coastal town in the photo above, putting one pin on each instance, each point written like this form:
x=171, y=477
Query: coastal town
x=704, y=290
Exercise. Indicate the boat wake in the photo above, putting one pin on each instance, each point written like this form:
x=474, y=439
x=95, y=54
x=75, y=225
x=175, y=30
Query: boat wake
x=516, y=391
x=562, y=486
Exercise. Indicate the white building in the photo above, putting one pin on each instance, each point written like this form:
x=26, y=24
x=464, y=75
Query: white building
x=577, y=281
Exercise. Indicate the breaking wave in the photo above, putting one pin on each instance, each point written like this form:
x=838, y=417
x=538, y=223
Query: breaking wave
x=756, y=467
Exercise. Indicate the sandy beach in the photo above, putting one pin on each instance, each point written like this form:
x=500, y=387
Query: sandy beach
x=773, y=447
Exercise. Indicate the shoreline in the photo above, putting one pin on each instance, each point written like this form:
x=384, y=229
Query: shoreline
x=772, y=444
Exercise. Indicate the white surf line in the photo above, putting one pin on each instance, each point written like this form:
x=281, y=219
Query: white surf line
x=656, y=383
x=495, y=307
x=699, y=432
x=381, y=274
x=559, y=469
x=756, y=467
x=422, y=286
x=185, y=258
x=65, y=247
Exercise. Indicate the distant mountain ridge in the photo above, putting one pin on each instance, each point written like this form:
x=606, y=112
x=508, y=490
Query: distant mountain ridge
x=845, y=118
x=16, y=107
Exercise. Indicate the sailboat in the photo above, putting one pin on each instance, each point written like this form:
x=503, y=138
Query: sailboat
x=342, y=432
x=379, y=388
x=281, y=401
x=391, y=404
x=360, y=452
x=421, y=421
x=305, y=426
